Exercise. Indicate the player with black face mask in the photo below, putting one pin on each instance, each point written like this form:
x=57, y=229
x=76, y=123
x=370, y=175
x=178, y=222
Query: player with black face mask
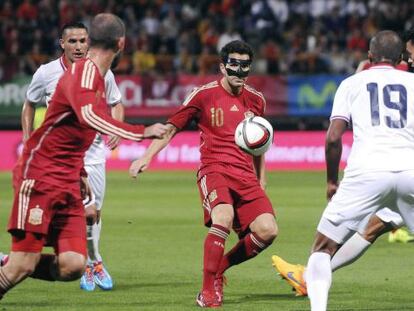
x=238, y=67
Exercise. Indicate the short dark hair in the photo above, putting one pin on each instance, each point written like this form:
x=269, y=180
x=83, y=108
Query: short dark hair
x=408, y=35
x=72, y=25
x=386, y=45
x=105, y=31
x=236, y=46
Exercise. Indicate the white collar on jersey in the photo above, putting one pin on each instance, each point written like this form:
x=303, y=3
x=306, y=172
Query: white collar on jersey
x=62, y=62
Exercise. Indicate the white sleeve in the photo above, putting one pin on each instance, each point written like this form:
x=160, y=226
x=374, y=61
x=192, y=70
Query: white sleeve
x=113, y=95
x=36, y=91
x=342, y=104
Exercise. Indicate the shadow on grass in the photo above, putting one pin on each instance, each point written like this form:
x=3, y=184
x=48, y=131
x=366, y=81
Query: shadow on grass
x=152, y=285
x=236, y=299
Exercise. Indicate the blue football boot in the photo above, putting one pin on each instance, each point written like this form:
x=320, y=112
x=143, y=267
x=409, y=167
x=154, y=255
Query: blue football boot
x=87, y=282
x=102, y=277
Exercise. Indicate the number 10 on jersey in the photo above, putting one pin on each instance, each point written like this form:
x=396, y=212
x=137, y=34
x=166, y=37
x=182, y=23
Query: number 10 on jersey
x=217, y=117
x=397, y=102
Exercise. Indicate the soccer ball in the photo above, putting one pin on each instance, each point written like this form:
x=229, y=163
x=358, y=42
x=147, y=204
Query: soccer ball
x=254, y=135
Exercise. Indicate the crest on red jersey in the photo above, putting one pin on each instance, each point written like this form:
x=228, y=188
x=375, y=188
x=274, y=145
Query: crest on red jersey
x=248, y=114
x=212, y=196
x=35, y=216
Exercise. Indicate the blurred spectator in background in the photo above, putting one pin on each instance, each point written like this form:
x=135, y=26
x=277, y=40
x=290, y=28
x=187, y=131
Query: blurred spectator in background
x=296, y=36
x=170, y=27
x=229, y=35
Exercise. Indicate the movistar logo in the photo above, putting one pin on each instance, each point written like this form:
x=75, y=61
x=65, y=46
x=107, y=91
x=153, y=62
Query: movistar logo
x=308, y=96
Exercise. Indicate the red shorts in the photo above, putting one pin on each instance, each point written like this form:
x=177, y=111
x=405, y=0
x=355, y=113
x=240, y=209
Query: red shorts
x=55, y=213
x=17, y=174
x=245, y=194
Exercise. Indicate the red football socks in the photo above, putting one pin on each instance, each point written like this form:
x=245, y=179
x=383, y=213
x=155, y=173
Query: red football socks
x=5, y=283
x=246, y=248
x=213, y=254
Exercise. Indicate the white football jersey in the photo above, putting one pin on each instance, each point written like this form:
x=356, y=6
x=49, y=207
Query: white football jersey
x=43, y=86
x=380, y=103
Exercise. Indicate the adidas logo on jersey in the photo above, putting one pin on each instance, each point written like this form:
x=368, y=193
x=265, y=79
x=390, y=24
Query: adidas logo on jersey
x=234, y=108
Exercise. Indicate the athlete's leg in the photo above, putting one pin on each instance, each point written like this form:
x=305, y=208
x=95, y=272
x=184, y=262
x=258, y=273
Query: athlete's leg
x=19, y=266
x=91, y=215
x=26, y=259
x=263, y=230
x=265, y=227
x=319, y=273
x=95, y=271
x=222, y=217
x=71, y=266
x=359, y=243
x=257, y=230
x=347, y=253
x=97, y=181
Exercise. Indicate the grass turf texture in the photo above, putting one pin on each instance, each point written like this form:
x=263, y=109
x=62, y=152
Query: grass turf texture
x=152, y=244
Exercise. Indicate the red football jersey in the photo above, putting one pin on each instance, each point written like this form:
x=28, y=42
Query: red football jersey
x=217, y=113
x=54, y=152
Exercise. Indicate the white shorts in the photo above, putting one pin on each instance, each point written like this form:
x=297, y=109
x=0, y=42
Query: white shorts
x=359, y=197
x=97, y=181
x=389, y=216
x=386, y=215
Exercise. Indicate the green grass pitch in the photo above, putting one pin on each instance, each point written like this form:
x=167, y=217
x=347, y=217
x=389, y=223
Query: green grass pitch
x=152, y=244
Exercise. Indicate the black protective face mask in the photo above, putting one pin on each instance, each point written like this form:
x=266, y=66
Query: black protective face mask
x=243, y=67
x=116, y=60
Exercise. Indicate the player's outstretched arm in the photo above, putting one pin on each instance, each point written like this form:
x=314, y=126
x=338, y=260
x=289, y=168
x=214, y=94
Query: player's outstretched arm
x=92, y=112
x=99, y=120
x=27, y=118
x=333, y=152
x=141, y=164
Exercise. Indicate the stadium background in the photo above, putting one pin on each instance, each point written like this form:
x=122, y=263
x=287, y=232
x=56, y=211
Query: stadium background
x=303, y=49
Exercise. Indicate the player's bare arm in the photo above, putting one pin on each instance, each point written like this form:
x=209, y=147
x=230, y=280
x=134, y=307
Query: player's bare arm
x=27, y=118
x=141, y=164
x=259, y=166
x=118, y=113
x=333, y=152
x=86, y=190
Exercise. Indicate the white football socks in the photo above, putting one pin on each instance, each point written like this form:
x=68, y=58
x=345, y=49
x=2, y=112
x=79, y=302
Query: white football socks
x=93, y=236
x=354, y=248
x=318, y=280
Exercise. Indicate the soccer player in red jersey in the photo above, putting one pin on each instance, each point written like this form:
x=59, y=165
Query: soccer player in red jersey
x=231, y=182
x=48, y=206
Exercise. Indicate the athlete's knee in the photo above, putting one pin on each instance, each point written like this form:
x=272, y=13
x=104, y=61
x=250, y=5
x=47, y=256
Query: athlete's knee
x=223, y=215
x=71, y=266
x=324, y=244
x=91, y=215
x=376, y=227
x=21, y=265
x=267, y=231
x=265, y=227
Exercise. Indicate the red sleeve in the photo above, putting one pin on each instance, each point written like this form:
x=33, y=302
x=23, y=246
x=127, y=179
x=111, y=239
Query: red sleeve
x=91, y=110
x=188, y=111
x=263, y=105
